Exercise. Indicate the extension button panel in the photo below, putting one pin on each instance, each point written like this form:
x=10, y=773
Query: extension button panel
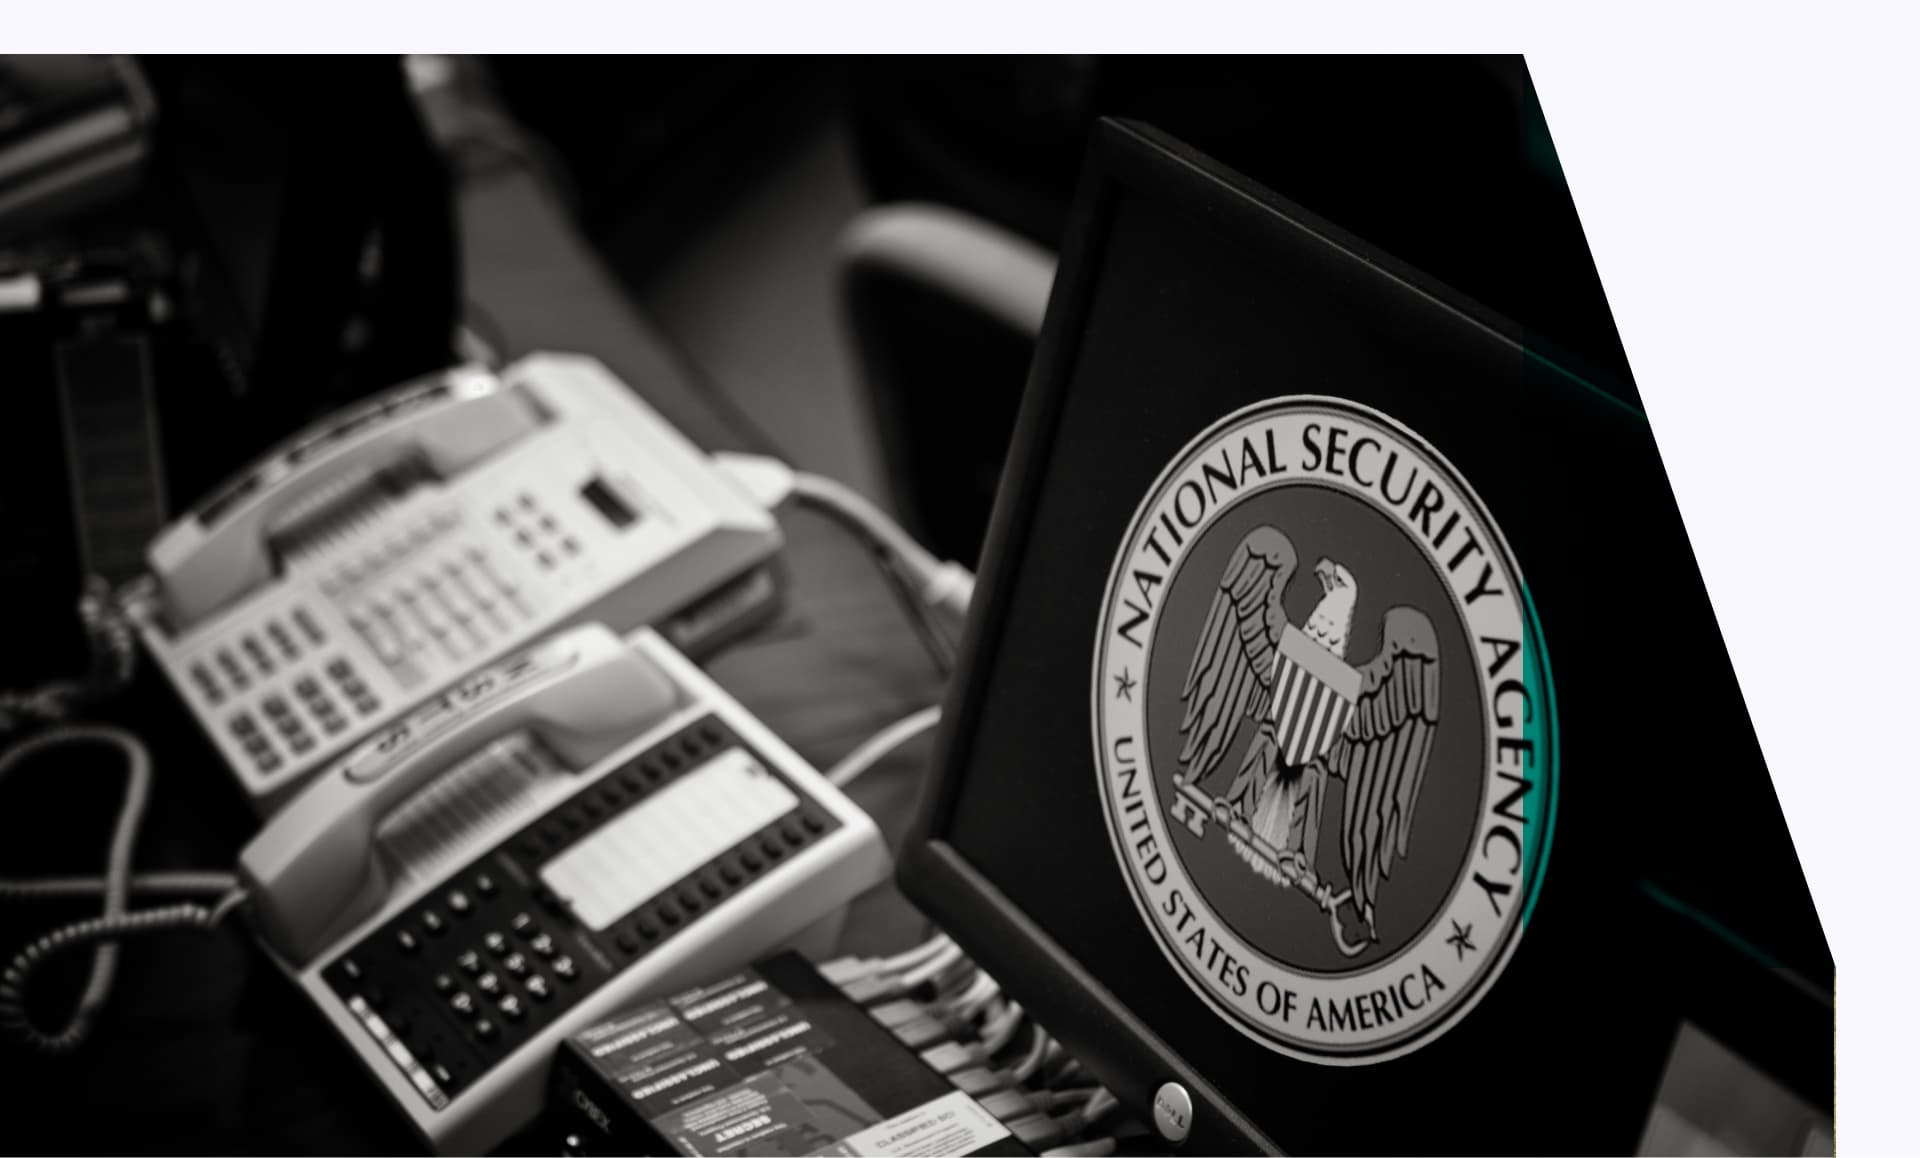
x=454, y=984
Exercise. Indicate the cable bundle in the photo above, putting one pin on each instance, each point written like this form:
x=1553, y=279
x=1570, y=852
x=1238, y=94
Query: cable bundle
x=937, y=1001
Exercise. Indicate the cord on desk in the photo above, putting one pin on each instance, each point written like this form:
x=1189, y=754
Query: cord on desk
x=1024, y=1070
x=111, y=658
x=881, y=745
x=935, y=594
x=114, y=923
x=1043, y=1096
x=968, y=1004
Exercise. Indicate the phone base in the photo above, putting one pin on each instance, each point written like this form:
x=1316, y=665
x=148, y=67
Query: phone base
x=700, y=845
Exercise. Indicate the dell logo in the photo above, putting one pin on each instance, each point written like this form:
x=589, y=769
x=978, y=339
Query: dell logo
x=1172, y=1111
x=587, y=1107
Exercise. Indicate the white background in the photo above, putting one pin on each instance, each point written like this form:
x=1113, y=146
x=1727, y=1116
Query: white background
x=1747, y=181
x=1749, y=200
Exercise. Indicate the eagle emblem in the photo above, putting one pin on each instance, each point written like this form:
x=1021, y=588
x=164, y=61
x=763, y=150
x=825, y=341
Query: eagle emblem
x=1315, y=719
x=1248, y=718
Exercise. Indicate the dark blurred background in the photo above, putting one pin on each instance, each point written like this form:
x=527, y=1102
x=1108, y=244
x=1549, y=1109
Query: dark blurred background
x=290, y=230
x=717, y=189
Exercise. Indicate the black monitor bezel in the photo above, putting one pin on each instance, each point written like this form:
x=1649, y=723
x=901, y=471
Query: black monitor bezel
x=1127, y=158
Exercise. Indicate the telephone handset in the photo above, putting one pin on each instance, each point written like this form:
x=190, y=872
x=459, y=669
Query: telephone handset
x=310, y=870
x=382, y=553
x=583, y=823
x=228, y=544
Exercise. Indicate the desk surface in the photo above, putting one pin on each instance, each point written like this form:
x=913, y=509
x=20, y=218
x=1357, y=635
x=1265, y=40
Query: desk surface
x=204, y=1047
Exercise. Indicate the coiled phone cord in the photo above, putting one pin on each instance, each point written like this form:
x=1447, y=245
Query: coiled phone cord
x=103, y=932
x=110, y=647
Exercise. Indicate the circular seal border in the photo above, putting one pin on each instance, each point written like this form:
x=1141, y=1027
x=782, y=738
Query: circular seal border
x=1535, y=661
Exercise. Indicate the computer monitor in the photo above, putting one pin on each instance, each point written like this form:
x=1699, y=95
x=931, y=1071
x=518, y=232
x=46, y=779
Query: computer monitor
x=1345, y=756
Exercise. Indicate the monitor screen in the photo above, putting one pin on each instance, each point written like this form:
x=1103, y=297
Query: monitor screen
x=1712, y=1101
x=1339, y=681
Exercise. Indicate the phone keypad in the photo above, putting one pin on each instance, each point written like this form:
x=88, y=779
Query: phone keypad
x=255, y=655
x=237, y=678
x=447, y=610
x=541, y=537
x=478, y=965
x=255, y=741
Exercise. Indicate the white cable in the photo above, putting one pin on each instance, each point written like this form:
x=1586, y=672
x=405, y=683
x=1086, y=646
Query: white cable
x=948, y=956
x=881, y=745
x=1071, y=1069
x=1048, y=1059
x=949, y=983
x=911, y=957
x=111, y=657
x=1060, y=1099
x=939, y=592
x=1099, y=1106
x=996, y=1034
x=1029, y=1064
x=164, y=884
x=962, y=1008
x=836, y=498
x=1037, y=1131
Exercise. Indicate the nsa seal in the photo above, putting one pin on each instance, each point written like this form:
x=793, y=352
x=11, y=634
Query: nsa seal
x=1323, y=724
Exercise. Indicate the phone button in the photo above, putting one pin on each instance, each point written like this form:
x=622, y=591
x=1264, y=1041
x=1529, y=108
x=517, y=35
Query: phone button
x=308, y=627
x=485, y=1030
x=407, y=941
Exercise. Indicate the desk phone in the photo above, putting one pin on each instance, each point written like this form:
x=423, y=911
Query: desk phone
x=574, y=827
x=379, y=555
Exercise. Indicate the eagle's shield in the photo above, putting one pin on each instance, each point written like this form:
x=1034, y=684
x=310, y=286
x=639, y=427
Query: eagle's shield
x=1313, y=695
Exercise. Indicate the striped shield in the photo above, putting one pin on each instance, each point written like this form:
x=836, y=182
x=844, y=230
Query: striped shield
x=1313, y=697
